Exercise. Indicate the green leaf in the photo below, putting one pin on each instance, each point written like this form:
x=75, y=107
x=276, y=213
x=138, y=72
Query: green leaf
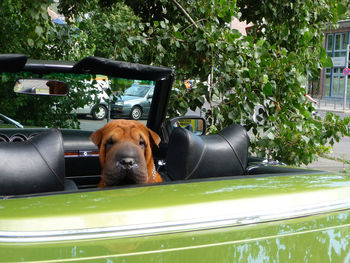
x=183, y=104
x=328, y=63
x=162, y=24
x=200, y=45
x=270, y=135
x=230, y=62
x=305, y=138
x=39, y=30
x=231, y=115
x=260, y=42
x=267, y=89
x=341, y=9
x=30, y=42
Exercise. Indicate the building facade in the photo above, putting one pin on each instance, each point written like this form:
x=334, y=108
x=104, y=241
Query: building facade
x=332, y=82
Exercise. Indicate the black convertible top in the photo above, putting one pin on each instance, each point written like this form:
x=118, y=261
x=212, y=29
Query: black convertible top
x=12, y=62
x=89, y=65
x=96, y=65
x=126, y=70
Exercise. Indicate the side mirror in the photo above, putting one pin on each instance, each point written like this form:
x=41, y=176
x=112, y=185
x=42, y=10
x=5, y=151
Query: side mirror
x=41, y=87
x=195, y=124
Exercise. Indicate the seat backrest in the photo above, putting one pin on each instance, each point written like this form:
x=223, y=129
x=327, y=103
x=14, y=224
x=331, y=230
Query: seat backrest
x=190, y=156
x=33, y=166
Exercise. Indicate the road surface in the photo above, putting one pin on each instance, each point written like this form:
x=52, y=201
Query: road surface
x=87, y=123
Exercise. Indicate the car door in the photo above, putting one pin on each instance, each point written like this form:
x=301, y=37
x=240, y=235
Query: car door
x=291, y=218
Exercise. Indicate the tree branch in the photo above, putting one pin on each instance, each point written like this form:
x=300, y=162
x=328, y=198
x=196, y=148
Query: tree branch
x=189, y=18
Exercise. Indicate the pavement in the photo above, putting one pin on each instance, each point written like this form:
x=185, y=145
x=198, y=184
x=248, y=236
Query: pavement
x=328, y=165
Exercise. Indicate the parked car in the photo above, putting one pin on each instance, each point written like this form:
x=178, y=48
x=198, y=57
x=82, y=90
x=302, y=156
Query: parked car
x=97, y=111
x=217, y=204
x=135, y=102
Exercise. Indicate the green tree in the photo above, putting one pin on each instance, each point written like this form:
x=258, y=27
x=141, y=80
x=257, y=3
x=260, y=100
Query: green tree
x=233, y=73
x=27, y=28
x=24, y=26
x=113, y=31
x=270, y=68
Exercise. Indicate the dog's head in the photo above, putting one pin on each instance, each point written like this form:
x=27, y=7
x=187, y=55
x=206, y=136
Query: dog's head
x=125, y=148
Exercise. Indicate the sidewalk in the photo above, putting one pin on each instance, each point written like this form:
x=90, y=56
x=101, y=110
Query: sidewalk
x=328, y=165
x=337, y=107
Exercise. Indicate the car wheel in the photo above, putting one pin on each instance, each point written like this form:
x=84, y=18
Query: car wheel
x=136, y=113
x=99, y=112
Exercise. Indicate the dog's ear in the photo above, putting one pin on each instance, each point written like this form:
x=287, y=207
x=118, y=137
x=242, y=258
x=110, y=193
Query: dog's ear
x=154, y=137
x=96, y=137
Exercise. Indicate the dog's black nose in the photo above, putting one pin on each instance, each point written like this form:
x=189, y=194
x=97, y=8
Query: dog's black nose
x=127, y=163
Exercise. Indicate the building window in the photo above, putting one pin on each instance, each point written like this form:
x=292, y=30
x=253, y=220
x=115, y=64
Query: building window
x=340, y=45
x=337, y=41
x=329, y=42
x=333, y=78
x=338, y=86
x=344, y=38
x=327, y=85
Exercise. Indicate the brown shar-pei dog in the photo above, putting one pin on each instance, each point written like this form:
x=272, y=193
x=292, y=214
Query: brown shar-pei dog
x=125, y=148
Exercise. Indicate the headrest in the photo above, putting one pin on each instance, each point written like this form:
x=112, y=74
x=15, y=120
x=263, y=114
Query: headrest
x=190, y=156
x=33, y=166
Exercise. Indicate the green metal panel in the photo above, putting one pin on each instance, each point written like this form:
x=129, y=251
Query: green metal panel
x=313, y=239
x=263, y=219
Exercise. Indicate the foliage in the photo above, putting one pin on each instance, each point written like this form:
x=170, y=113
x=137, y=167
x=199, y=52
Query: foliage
x=27, y=28
x=113, y=31
x=269, y=69
x=24, y=26
x=233, y=74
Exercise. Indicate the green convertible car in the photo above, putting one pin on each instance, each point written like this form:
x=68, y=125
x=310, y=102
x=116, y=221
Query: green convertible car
x=216, y=204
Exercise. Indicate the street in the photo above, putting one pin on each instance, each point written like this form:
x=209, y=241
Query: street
x=87, y=123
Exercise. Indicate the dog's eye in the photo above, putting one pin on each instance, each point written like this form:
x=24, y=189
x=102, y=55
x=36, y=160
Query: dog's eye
x=109, y=143
x=142, y=143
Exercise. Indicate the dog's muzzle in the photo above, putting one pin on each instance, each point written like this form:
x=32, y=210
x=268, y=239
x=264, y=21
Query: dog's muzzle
x=126, y=163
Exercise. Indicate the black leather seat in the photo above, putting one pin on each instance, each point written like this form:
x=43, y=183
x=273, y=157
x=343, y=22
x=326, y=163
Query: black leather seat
x=190, y=156
x=33, y=166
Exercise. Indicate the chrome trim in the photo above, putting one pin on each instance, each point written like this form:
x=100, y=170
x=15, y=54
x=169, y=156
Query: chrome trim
x=18, y=137
x=168, y=227
x=88, y=154
x=32, y=136
x=4, y=138
x=80, y=154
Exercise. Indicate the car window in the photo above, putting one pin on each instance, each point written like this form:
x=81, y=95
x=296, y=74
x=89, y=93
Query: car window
x=137, y=91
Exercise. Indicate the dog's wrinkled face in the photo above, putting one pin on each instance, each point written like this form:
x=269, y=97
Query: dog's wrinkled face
x=125, y=152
